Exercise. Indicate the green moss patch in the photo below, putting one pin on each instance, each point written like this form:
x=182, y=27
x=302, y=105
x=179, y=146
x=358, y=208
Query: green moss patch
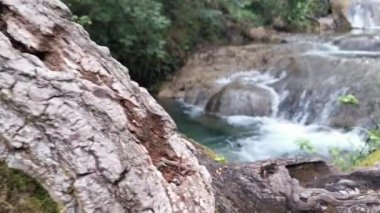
x=370, y=160
x=20, y=193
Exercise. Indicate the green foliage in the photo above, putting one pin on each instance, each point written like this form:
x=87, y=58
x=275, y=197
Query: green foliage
x=345, y=160
x=20, y=193
x=349, y=100
x=374, y=138
x=220, y=159
x=296, y=15
x=305, y=145
x=370, y=160
x=303, y=12
x=132, y=29
x=83, y=20
x=153, y=37
x=368, y=156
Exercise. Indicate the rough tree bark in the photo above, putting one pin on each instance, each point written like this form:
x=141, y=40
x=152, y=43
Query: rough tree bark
x=71, y=117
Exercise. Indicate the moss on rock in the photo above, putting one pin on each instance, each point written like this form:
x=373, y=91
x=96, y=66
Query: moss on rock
x=20, y=193
x=370, y=160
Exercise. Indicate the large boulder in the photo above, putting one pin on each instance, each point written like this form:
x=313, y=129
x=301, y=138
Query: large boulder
x=369, y=43
x=326, y=24
x=340, y=11
x=241, y=98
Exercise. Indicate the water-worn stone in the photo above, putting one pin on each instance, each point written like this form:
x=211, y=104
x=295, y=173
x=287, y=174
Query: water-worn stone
x=369, y=43
x=315, y=83
x=266, y=35
x=326, y=24
x=340, y=12
x=71, y=117
x=239, y=98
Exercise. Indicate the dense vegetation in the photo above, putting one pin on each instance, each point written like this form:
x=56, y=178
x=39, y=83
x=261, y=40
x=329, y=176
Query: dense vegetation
x=153, y=37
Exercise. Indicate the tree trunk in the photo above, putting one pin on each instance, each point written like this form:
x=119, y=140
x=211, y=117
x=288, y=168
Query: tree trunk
x=71, y=117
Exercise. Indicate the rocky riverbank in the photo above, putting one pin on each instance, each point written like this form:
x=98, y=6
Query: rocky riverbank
x=309, y=75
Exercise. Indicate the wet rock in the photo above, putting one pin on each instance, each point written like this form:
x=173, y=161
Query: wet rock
x=314, y=84
x=359, y=43
x=259, y=34
x=326, y=24
x=240, y=98
x=204, y=68
x=340, y=11
x=316, y=75
x=199, y=96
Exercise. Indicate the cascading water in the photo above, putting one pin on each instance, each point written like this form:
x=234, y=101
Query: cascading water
x=304, y=87
x=249, y=138
x=364, y=14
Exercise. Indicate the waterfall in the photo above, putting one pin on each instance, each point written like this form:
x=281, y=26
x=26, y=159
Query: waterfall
x=303, y=87
x=249, y=138
x=364, y=14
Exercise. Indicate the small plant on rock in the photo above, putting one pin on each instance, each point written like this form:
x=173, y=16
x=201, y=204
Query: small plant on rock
x=349, y=100
x=220, y=159
x=82, y=20
x=305, y=145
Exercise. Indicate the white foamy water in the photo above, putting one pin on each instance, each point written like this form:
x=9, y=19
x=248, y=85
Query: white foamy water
x=271, y=137
x=247, y=138
x=361, y=16
x=277, y=138
x=364, y=14
x=252, y=76
x=192, y=111
x=329, y=49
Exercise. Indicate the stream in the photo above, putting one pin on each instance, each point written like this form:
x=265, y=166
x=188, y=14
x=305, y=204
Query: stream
x=302, y=107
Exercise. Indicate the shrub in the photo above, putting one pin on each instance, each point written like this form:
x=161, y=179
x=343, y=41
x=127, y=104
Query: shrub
x=132, y=29
x=153, y=37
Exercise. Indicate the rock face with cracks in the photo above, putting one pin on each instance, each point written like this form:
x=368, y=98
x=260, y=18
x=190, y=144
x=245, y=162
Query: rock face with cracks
x=71, y=117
